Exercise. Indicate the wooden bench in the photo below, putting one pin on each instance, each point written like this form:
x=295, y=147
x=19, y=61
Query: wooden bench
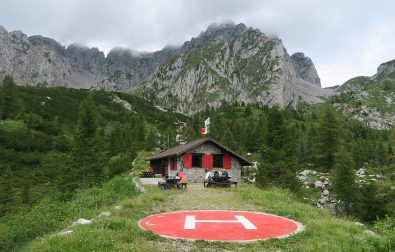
x=182, y=185
x=214, y=183
x=147, y=174
x=173, y=184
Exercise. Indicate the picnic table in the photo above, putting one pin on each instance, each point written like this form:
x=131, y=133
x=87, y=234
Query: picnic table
x=219, y=181
x=147, y=174
x=174, y=183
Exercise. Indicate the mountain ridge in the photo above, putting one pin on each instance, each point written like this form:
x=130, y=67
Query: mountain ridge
x=369, y=99
x=37, y=59
x=234, y=63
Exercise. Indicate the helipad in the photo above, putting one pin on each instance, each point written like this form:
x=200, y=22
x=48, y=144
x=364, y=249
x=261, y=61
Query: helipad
x=220, y=225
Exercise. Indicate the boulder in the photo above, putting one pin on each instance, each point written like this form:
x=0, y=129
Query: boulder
x=305, y=172
x=118, y=207
x=64, y=233
x=323, y=201
x=327, y=182
x=325, y=193
x=302, y=178
x=318, y=184
x=81, y=222
x=370, y=233
x=360, y=172
x=105, y=214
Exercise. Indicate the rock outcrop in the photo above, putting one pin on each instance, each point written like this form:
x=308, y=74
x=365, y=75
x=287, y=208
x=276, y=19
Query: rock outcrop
x=36, y=59
x=226, y=63
x=305, y=68
x=233, y=63
x=369, y=99
x=387, y=67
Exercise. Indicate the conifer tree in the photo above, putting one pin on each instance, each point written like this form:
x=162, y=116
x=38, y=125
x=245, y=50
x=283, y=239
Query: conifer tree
x=7, y=192
x=116, y=140
x=151, y=140
x=88, y=170
x=328, y=132
x=278, y=158
x=344, y=179
x=9, y=99
x=228, y=138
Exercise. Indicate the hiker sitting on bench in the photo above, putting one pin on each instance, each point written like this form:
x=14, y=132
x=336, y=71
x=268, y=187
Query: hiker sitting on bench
x=224, y=175
x=183, y=179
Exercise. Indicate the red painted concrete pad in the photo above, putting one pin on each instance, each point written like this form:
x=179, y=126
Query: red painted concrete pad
x=220, y=225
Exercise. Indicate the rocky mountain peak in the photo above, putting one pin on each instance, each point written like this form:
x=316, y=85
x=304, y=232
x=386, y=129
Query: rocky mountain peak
x=387, y=67
x=214, y=32
x=305, y=68
x=233, y=63
x=225, y=63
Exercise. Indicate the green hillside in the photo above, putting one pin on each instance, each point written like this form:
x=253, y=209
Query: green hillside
x=369, y=100
x=120, y=231
x=62, y=150
x=38, y=133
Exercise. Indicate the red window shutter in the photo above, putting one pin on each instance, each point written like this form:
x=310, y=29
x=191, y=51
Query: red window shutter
x=187, y=160
x=227, y=162
x=208, y=161
x=175, y=163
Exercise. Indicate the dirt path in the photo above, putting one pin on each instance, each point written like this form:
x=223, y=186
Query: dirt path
x=197, y=197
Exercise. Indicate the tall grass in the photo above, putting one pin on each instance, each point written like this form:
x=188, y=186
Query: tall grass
x=120, y=232
x=324, y=232
x=20, y=228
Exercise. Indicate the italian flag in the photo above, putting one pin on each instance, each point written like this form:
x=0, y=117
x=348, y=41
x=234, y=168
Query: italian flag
x=206, y=129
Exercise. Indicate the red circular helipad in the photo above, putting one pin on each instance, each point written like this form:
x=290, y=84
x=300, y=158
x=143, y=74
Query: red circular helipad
x=220, y=225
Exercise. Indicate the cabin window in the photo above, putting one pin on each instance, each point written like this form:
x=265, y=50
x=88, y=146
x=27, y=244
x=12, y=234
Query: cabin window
x=197, y=160
x=218, y=160
x=173, y=163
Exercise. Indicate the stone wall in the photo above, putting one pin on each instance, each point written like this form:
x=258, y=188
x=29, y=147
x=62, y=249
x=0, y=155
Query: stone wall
x=197, y=174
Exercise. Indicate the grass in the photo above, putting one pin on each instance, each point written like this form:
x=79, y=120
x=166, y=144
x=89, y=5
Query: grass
x=120, y=231
x=46, y=217
x=10, y=126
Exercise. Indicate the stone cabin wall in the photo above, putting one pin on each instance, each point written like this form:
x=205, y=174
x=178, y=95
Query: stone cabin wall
x=196, y=174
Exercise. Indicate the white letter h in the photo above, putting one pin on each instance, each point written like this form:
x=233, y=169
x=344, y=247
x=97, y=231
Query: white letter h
x=190, y=222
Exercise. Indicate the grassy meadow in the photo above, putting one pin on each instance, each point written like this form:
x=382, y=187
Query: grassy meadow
x=120, y=231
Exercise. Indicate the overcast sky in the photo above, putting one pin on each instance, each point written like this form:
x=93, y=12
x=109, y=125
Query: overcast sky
x=344, y=38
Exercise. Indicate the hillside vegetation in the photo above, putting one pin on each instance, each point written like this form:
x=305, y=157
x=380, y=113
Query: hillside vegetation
x=369, y=99
x=61, y=149
x=120, y=231
x=56, y=140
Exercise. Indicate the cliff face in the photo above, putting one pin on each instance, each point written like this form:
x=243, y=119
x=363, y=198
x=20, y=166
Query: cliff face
x=233, y=63
x=305, y=68
x=225, y=63
x=36, y=59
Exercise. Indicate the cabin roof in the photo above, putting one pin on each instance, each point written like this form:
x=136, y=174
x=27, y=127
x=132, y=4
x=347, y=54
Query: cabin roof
x=179, y=150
